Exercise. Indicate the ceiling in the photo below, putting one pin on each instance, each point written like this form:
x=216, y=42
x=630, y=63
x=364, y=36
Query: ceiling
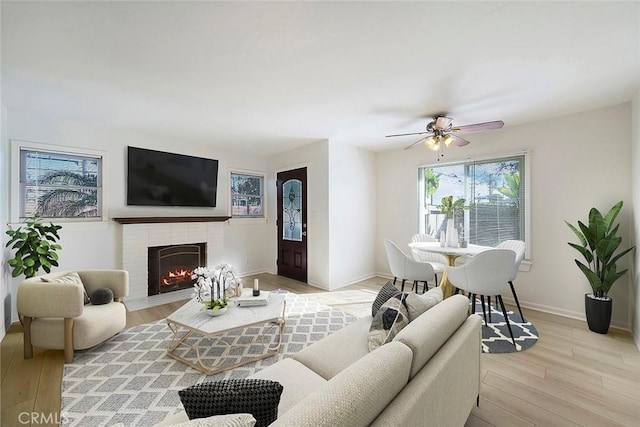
x=271, y=76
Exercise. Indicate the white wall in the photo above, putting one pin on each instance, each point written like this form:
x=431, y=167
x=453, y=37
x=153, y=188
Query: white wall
x=634, y=295
x=5, y=275
x=352, y=214
x=315, y=158
x=98, y=244
x=577, y=162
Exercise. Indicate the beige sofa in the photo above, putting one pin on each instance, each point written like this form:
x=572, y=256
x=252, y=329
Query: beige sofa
x=54, y=314
x=428, y=376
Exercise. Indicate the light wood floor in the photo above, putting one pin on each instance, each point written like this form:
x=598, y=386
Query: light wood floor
x=571, y=377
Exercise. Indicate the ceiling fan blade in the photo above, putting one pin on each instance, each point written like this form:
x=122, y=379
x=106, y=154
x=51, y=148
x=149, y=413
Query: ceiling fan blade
x=479, y=126
x=409, y=146
x=407, y=134
x=459, y=142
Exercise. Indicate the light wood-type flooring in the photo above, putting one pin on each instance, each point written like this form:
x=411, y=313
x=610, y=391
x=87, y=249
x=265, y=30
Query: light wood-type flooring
x=571, y=377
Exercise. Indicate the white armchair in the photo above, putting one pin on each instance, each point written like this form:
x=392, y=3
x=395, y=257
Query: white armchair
x=54, y=314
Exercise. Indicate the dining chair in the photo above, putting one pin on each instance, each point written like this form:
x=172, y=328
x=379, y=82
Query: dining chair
x=437, y=261
x=518, y=247
x=406, y=268
x=486, y=274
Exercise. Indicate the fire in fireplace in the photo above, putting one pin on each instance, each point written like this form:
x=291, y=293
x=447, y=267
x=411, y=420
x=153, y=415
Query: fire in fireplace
x=171, y=266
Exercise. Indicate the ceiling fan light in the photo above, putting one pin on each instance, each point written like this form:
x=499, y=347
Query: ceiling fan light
x=431, y=143
x=448, y=140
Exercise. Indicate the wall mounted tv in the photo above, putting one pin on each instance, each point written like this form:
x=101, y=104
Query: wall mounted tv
x=156, y=178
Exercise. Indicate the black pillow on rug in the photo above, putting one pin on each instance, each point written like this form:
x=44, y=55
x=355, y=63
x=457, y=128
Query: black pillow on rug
x=257, y=397
x=101, y=296
x=387, y=292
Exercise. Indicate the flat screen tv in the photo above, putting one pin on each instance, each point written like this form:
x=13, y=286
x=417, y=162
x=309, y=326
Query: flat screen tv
x=156, y=178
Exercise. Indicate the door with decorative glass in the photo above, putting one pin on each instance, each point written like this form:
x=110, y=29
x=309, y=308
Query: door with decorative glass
x=292, y=224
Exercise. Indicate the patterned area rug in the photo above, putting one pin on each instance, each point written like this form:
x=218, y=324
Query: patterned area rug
x=495, y=335
x=130, y=379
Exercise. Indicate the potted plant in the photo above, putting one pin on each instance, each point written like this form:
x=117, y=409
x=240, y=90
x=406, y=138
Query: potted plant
x=212, y=287
x=35, y=247
x=598, y=245
x=451, y=208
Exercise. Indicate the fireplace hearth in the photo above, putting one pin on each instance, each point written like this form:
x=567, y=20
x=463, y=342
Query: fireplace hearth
x=171, y=266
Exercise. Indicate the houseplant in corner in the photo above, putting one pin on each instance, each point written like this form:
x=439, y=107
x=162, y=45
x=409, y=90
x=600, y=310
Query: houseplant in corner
x=35, y=246
x=598, y=244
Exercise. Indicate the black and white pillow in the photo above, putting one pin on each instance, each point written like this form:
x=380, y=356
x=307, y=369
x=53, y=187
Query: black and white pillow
x=388, y=321
x=388, y=291
x=257, y=397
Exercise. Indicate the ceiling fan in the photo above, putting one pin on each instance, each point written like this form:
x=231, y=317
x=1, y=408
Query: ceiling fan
x=441, y=132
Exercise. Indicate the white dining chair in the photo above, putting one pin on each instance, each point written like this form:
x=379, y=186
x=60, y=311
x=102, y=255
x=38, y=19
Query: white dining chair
x=517, y=246
x=437, y=261
x=406, y=268
x=486, y=274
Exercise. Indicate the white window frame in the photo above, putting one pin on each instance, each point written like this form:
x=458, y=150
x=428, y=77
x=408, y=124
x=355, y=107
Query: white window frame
x=16, y=196
x=527, y=193
x=263, y=176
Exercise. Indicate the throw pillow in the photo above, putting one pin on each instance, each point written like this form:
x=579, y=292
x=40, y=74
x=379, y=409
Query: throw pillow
x=388, y=291
x=418, y=304
x=72, y=277
x=231, y=420
x=257, y=397
x=101, y=296
x=388, y=321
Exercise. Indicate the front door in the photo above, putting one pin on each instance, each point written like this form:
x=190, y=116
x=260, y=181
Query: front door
x=292, y=224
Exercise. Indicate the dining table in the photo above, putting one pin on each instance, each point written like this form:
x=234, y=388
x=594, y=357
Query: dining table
x=451, y=254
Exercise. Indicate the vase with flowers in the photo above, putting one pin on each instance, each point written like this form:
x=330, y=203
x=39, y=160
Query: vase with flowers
x=211, y=288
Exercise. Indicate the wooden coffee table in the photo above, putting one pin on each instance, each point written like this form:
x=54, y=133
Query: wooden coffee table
x=195, y=330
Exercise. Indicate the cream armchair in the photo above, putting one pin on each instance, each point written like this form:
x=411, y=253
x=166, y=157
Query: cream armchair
x=54, y=314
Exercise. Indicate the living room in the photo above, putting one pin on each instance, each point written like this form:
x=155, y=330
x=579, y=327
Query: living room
x=582, y=151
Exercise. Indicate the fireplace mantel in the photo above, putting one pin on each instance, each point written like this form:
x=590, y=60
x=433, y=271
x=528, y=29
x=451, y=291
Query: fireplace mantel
x=168, y=219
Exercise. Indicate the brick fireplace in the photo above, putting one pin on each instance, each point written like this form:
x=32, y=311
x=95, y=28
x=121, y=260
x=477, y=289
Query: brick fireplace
x=139, y=234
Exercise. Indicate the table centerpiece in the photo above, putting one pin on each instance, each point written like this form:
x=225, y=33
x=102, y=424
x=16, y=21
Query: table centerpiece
x=211, y=288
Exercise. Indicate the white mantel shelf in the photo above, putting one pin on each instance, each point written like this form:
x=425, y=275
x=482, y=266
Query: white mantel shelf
x=168, y=219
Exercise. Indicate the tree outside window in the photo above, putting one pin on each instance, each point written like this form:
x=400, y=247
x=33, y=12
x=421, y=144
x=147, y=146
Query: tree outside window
x=494, y=195
x=247, y=195
x=60, y=185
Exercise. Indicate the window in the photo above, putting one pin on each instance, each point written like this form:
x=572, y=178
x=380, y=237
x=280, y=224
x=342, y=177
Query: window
x=494, y=193
x=247, y=195
x=60, y=185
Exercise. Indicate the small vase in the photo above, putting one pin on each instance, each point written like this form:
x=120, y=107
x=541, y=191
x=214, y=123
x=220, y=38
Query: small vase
x=218, y=312
x=452, y=234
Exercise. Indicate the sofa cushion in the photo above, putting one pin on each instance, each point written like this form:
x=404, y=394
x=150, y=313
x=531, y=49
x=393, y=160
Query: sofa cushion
x=418, y=304
x=71, y=277
x=426, y=334
x=388, y=321
x=297, y=381
x=356, y=395
x=229, y=420
x=259, y=398
x=338, y=350
x=388, y=291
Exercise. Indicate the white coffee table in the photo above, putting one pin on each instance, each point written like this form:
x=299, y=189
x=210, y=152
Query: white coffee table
x=191, y=327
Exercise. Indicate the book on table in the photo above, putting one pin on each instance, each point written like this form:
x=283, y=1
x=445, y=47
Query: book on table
x=248, y=300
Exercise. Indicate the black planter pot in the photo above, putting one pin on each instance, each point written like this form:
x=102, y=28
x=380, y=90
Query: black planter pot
x=598, y=311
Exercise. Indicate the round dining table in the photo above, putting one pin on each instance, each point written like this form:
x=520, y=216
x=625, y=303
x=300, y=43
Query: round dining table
x=451, y=254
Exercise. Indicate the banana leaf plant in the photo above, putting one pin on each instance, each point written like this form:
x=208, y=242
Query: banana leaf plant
x=35, y=247
x=598, y=245
x=449, y=207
